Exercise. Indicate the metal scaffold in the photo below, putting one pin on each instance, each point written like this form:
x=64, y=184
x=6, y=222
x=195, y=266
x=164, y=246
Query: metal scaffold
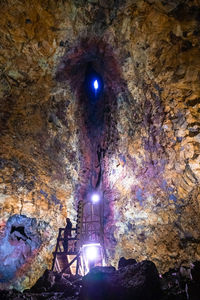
x=85, y=243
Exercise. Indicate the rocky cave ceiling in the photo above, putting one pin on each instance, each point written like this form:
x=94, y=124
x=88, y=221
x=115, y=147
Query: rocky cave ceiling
x=140, y=143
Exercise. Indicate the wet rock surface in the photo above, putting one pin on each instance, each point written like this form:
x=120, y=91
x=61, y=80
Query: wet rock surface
x=139, y=281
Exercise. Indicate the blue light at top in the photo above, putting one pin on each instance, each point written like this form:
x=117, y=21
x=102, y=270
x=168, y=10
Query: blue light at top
x=96, y=84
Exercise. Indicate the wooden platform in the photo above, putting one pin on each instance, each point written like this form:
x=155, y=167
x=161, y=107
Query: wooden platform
x=65, y=262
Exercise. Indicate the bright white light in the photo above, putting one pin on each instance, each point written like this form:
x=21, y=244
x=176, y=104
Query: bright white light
x=96, y=85
x=91, y=252
x=91, y=255
x=95, y=198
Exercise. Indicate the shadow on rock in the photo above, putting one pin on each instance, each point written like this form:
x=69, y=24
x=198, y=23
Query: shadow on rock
x=139, y=281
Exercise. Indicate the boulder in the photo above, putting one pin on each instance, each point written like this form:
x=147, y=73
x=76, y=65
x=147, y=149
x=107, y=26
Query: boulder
x=44, y=283
x=123, y=262
x=63, y=285
x=138, y=281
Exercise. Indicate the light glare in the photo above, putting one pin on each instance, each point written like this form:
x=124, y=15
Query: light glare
x=96, y=85
x=91, y=252
x=95, y=198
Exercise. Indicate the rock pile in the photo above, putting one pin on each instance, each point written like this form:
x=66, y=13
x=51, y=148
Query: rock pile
x=135, y=281
x=51, y=285
x=182, y=283
x=138, y=281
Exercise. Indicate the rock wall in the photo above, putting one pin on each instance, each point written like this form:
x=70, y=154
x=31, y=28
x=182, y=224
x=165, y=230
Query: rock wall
x=154, y=175
x=148, y=55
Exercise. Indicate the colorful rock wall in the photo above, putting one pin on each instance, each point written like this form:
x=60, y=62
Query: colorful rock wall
x=148, y=55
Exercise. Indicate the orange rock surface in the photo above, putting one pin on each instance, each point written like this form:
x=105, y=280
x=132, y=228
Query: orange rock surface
x=151, y=169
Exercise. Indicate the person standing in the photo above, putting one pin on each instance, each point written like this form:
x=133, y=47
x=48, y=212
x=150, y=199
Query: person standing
x=67, y=234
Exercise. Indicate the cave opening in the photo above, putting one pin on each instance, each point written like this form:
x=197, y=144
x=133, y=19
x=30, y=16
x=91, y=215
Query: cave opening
x=93, y=84
x=93, y=99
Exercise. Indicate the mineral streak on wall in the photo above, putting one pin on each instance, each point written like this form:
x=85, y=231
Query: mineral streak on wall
x=151, y=166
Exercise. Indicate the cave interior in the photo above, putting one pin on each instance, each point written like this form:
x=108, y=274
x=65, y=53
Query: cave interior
x=99, y=96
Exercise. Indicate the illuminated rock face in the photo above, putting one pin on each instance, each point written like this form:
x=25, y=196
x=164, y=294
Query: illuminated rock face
x=150, y=138
x=20, y=242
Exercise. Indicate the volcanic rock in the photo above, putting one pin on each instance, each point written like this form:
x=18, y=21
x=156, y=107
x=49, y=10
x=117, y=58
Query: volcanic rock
x=141, y=144
x=123, y=262
x=137, y=281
